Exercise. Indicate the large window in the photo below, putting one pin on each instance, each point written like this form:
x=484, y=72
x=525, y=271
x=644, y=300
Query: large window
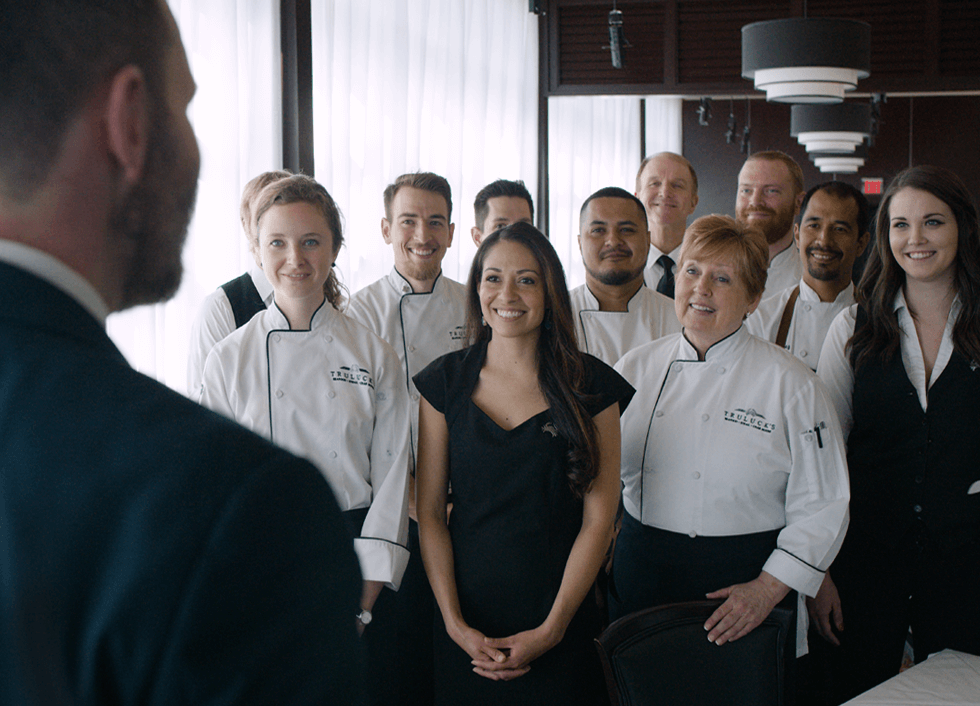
x=448, y=86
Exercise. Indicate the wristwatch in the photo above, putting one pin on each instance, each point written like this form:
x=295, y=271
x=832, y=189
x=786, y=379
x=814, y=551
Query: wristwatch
x=365, y=617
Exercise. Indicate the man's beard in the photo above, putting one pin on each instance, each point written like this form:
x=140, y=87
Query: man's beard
x=775, y=228
x=615, y=278
x=150, y=223
x=423, y=272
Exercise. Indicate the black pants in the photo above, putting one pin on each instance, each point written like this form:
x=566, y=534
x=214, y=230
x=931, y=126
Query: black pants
x=885, y=589
x=655, y=567
x=399, y=638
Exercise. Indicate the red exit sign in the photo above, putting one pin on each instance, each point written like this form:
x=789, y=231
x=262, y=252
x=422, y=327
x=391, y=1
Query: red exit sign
x=872, y=186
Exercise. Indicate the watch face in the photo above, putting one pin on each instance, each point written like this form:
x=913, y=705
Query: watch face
x=364, y=616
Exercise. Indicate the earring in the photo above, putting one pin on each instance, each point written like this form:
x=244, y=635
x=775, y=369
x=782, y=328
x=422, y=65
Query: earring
x=483, y=321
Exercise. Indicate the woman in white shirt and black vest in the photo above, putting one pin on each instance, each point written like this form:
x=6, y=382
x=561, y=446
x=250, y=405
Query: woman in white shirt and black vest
x=901, y=367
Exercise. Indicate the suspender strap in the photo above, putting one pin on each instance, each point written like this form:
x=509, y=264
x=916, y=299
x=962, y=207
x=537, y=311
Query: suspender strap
x=244, y=299
x=787, y=317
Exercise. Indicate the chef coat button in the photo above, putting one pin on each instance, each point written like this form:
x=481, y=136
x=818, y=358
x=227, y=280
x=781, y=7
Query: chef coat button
x=658, y=413
x=917, y=508
x=382, y=396
x=277, y=338
x=803, y=354
x=333, y=454
x=721, y=371
x=411, y=348
x=331, y=394
x=415, y=396
x=692, y=535
x=406, y=288
x=696, y=475
x=704, y=417
x=806, y=307
x=329, y=339
x=278, y=393
x=919, y=478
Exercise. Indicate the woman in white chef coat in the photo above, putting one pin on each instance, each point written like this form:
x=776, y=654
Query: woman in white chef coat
x=902, y=369
x=735, y=484
x=319, y=384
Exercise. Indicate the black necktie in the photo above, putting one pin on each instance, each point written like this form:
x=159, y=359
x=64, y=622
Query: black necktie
x=666, y=284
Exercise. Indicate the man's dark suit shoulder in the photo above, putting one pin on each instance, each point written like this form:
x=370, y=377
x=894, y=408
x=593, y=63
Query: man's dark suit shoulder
x=148, y=545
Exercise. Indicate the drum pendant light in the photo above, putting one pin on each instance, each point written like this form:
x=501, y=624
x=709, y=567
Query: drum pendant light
x=806, y=60
x=840, y=162
x=830, y=128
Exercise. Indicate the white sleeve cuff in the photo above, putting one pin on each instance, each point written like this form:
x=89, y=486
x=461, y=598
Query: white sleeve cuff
x=381, y=561
x=793, y=572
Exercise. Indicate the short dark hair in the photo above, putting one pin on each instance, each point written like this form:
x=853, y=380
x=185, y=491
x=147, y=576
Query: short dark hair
x=496, y=189
x=426, y=181
x=53, y=55
x=614, y=192
x=842, y=191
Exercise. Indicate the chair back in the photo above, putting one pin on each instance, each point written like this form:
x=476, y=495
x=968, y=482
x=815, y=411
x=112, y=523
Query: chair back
x=661, y=656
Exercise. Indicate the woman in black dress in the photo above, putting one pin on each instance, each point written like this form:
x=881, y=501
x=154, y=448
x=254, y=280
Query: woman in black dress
x=526, y=429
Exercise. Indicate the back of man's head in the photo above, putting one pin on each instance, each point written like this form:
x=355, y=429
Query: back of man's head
x=426, y=181
x=53, y=56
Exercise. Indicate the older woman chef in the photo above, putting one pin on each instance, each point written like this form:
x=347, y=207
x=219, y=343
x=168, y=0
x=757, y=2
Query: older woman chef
x=733, y=463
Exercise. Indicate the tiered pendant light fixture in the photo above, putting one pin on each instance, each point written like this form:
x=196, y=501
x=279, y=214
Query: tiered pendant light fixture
x=840, y=162
x=806, y=60
x=837, y=127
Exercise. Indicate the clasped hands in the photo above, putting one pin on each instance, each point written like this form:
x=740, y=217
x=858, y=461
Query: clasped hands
x=504, y=658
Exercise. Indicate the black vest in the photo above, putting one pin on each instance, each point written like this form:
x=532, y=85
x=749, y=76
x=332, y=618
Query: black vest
x=244, y=299
x=910, y=470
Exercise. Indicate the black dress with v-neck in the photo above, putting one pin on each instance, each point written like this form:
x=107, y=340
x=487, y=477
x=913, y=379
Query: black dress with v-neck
x=513, y=523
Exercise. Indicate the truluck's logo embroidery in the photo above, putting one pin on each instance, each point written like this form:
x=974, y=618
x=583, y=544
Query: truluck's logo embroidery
x=354, y=374
x=750, y=418
x=457, y=334
x=550, y=429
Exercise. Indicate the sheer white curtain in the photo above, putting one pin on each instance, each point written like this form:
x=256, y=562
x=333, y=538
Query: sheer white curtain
x=446, y=86
x=664, y=131
x=594, y=142
x=233, y=50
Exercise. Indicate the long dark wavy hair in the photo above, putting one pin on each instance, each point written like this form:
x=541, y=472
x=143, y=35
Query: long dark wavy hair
x=880, y=338
x=561, y=368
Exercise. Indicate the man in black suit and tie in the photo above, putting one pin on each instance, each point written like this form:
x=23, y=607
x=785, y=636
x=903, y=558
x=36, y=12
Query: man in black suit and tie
x=151, y=552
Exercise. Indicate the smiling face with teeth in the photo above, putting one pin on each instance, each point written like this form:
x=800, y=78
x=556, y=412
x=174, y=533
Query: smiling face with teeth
x=923, y=235
x=420, y=233
x=512, y=291
x=829, y=241
x=720, y=279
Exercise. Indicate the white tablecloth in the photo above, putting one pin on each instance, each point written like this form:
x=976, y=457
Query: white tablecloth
x=947, y=678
